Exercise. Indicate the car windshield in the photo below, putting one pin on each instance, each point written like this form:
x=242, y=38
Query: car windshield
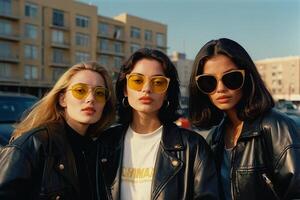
x=11, y=109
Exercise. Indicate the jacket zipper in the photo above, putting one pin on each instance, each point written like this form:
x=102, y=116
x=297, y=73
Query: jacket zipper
x=270, y=185
x=231, y=172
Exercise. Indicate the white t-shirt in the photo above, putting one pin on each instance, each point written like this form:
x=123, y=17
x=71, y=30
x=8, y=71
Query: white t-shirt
x=139, y=157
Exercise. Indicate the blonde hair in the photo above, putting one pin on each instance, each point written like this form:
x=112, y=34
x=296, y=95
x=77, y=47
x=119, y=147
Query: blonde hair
x=48, y=108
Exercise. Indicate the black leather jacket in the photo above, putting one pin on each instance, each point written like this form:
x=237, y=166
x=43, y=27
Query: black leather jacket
x=184, y=167
x=266, y=159
x=40, y=165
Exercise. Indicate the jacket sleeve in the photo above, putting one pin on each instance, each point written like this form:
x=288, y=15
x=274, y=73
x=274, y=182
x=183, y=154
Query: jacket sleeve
x=15, y=174
x=206, y=179
x=285, y=138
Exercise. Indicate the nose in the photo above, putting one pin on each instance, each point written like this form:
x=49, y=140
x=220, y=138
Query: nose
x=147, y=87
x=90, y=97
x=220, y=87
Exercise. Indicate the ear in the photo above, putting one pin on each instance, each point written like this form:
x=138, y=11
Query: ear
x=62, y=100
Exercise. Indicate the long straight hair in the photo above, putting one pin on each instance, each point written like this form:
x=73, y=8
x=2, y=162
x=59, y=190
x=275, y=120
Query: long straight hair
x=48, y=108
x=256, y=99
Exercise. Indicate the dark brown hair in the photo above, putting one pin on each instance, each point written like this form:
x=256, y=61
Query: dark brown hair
x=256, y=99
x=168, y=112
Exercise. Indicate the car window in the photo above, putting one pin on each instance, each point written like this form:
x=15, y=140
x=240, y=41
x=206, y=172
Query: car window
x=11, y=110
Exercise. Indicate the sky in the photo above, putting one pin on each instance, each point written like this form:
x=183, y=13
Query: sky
x=265, y=28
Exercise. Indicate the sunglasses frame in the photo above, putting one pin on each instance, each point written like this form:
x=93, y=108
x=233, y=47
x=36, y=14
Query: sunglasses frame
x=91, y=89
x=148, y=80
x=219, y=78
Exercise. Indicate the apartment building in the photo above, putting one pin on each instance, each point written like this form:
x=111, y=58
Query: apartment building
x=41, y=39
x=282, y=76
x=143, y=33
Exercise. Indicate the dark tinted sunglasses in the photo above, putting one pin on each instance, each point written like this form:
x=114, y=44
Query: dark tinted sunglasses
x=233, y=80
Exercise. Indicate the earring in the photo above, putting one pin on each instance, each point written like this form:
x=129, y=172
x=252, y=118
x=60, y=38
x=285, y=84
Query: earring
x=125, y=103
x=167, y=104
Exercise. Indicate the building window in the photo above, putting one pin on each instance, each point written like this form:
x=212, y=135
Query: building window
x=58, y=18
x=135, y=32
x=5, y=7
x=31, y=72
x=5, y=28
x=118, y=32
x=118, y=47
x=103, y=29
x=82, y=21
x=160, y=39
x=30, y=52
x=31, y=10
x=58, y=56
x=148, y=35
x=103, y=60
x=104, y=45
x=30, y=31
x=134, y=47
x=81, y=56
x=56, y=73
x=5, y=70
x=82, y=40
x=117, y=62
x=7, y=53
x=58, y=36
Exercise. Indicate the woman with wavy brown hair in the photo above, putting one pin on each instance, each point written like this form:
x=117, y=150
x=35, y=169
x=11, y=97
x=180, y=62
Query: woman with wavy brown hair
x=147, y=156
x=53, y=153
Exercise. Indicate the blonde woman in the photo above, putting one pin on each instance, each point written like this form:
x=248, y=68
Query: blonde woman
x=53, y=154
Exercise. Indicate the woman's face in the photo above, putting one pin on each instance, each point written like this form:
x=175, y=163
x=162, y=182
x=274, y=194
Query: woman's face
x=147, y=100
x=223, y=98
x=80, y=109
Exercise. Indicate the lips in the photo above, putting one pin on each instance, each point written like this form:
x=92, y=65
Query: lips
x=223, y=99
x=89, y=110
x=146, y=100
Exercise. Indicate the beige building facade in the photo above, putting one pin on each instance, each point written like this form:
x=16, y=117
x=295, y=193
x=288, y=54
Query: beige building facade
x=282, y=76
x=41, y=39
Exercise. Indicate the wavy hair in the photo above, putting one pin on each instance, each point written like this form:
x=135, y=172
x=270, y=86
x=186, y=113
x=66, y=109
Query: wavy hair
x=256, y=99
x=167, y=113
x=48, y=108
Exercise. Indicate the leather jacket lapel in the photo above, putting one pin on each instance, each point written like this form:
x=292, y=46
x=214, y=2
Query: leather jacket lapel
x=64, y=163
x=168, y=162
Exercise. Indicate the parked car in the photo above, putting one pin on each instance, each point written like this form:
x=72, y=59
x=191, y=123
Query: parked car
x=12, y=107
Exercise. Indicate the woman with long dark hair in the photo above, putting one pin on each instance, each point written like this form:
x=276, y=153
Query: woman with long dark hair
x=257, y=149
x=147, y=156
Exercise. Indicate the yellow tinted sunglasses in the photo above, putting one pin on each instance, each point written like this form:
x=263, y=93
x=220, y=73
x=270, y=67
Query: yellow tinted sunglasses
x=159, y=84
x=81, y=91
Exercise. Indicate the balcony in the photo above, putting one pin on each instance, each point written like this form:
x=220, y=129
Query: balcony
x=110, y=52
x=61, y=45
x=111, y=37
x=60, y=27
x=8, y=14
x=11, y=58
x=60, y=63
x=9, y=36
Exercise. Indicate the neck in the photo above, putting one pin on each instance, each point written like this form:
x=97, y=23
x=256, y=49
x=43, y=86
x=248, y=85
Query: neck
x=233, y=129
x=145, y=122
x=234, y=120
x=77, y=126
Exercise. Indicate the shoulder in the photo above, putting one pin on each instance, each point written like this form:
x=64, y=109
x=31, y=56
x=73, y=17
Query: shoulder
x=280, y=122
x=191, y=139
x=36, y=138
x=113, y=134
